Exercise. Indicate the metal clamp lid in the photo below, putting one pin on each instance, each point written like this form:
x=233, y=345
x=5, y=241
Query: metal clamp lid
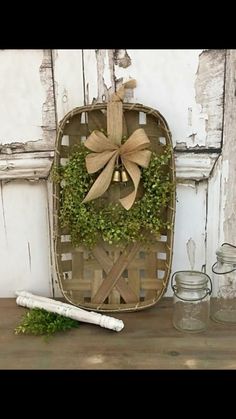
x=174, y=287
x=214, y=265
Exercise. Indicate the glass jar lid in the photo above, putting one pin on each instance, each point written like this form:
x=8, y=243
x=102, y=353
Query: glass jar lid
x=191, y=279
x=226, y=253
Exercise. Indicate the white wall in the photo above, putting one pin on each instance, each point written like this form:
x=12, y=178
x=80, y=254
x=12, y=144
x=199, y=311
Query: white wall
x=186, y=86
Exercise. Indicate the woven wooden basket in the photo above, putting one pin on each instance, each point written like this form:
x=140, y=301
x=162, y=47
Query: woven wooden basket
x=107, y=278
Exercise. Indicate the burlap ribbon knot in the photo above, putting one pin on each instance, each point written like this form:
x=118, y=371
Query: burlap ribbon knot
x=132, y=153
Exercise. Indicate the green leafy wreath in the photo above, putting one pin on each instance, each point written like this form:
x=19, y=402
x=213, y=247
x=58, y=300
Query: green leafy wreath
x=90, y=222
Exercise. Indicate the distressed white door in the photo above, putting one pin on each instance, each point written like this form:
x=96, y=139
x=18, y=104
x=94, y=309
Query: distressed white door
x=188, y=87
x=27, y=136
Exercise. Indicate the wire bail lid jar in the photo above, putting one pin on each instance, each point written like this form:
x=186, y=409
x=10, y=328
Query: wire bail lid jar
x=223, y=307
x=191, y=300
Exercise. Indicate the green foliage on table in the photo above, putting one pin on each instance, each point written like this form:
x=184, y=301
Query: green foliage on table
x=90, y=222
x=38, y=321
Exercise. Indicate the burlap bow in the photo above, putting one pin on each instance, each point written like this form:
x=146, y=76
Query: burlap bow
x=133, y=153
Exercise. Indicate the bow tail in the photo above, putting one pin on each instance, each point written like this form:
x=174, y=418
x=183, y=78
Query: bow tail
x=135, y=175
x=103, y=181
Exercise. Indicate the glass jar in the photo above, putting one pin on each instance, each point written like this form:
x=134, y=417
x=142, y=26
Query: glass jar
x=223, y=305
x=191, y=300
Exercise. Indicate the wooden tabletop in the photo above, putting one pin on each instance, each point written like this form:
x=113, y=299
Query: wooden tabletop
x=148, y=341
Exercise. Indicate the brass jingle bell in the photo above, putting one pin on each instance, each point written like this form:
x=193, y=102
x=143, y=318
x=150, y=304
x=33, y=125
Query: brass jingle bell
x=124, y=176
x=116, y=176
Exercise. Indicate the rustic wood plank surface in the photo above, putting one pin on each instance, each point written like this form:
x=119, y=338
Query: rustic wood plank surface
x=148, y=341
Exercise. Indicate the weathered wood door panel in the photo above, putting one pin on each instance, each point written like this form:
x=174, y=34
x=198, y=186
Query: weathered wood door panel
x=25, y=244
x=191, y=99
x=27, y=136
x=187, y=86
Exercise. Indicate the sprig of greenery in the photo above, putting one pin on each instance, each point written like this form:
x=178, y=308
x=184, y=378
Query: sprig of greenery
x=38, y=321
x=90, y=222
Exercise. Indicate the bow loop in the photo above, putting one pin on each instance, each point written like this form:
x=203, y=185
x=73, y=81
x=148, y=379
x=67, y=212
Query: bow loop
x=133, y=153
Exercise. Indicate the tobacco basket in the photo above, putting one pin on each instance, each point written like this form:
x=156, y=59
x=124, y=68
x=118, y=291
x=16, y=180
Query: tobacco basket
x=106, y=278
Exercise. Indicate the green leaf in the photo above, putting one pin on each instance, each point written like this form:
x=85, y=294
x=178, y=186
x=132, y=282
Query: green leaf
x=38, y=321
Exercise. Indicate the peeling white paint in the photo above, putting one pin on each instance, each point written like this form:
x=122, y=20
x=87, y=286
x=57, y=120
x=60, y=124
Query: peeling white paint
x=91, y=77
x=48, y=108
x=214, y=224
x=68, y=75
x=229, y=151
x=191, y=250
x=209, y=86
x=106, y=63
x=194, y=166
x=170, y=88
x=166, y=80
x=122, y=58
x=26, y=165
x=188, y=183
x=107, y=73
x=102, y=88
x=27, y=104
x=189, y=224
x=228, y=202
x=24, y=223
x=22, y=95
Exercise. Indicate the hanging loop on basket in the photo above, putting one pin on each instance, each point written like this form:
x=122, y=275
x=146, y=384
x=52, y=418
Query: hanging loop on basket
x=106, y=150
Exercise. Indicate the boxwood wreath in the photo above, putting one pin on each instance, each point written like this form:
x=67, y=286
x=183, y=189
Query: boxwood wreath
x=89, y=222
